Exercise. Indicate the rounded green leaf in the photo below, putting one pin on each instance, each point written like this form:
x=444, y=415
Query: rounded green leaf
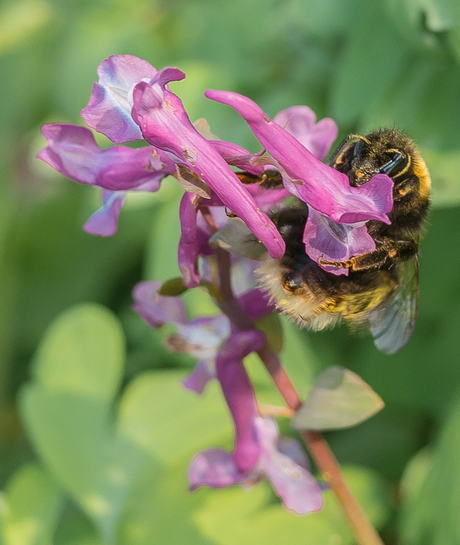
x=82, y=352
x=34, y=503
x=339, y=399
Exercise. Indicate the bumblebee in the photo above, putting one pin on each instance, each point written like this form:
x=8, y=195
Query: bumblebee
x=381, y=290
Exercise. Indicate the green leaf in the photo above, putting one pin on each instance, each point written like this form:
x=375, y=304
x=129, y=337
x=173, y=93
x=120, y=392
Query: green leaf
x=79, y=338
x=66, y=410
x=431, y=490
x=339, y=399
x=444, y=168
x=236, y=516
x=172, y=287
x=34, y=504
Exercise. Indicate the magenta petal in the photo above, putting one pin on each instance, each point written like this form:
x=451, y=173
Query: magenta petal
x=188, y=243
x=165, y=125
x=215, y=468
x=293, y=483
x=109, y=108
x=104, y=222
x=155, y=309
x=300, y=122
x=317, y=184
x=333, y=241
x=239, y=394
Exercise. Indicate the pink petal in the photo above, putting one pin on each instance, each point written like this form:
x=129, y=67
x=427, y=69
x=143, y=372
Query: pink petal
x=73, y=151
x=300, y=122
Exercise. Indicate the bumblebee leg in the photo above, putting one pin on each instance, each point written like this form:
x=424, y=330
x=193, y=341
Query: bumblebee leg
x=397, y=250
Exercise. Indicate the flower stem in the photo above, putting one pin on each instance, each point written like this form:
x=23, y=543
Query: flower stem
x=325, y=460
x=363, y=530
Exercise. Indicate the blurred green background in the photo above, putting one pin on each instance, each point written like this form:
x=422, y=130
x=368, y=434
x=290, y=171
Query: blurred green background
x=95, y=430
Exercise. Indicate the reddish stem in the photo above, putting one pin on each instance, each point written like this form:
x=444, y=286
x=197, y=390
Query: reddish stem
x=363, y=530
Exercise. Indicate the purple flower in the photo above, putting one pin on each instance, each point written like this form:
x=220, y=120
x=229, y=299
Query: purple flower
x=323, y=188
x=165, y=124
x=317, y=184
x=155, y=309
x=201, y=337
x=257, y=452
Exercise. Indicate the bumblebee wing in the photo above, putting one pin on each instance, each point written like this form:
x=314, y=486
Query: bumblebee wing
x=392, y=322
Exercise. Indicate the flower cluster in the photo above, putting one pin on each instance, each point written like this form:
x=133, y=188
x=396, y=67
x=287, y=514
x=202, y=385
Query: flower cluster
x=132, y=101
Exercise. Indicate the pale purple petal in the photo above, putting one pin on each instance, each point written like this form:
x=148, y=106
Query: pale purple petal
x=205, y=370
x=239, y=394
x=109, y=108
x=205, y=334
x=104, y=222
x=293, y=450
x=293, y=483
x=188, y=243
x=300, y=122
x=155, y=309
x=215, y=468
x=165, y=125
x=73, y=151
x=317, y=184
x=333, y=241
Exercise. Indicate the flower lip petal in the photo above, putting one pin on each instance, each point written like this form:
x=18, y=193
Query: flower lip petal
x=322, y=187
x=324, y=238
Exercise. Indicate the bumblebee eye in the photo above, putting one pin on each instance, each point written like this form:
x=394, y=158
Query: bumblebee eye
x=397, y=162
x=292, y=281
